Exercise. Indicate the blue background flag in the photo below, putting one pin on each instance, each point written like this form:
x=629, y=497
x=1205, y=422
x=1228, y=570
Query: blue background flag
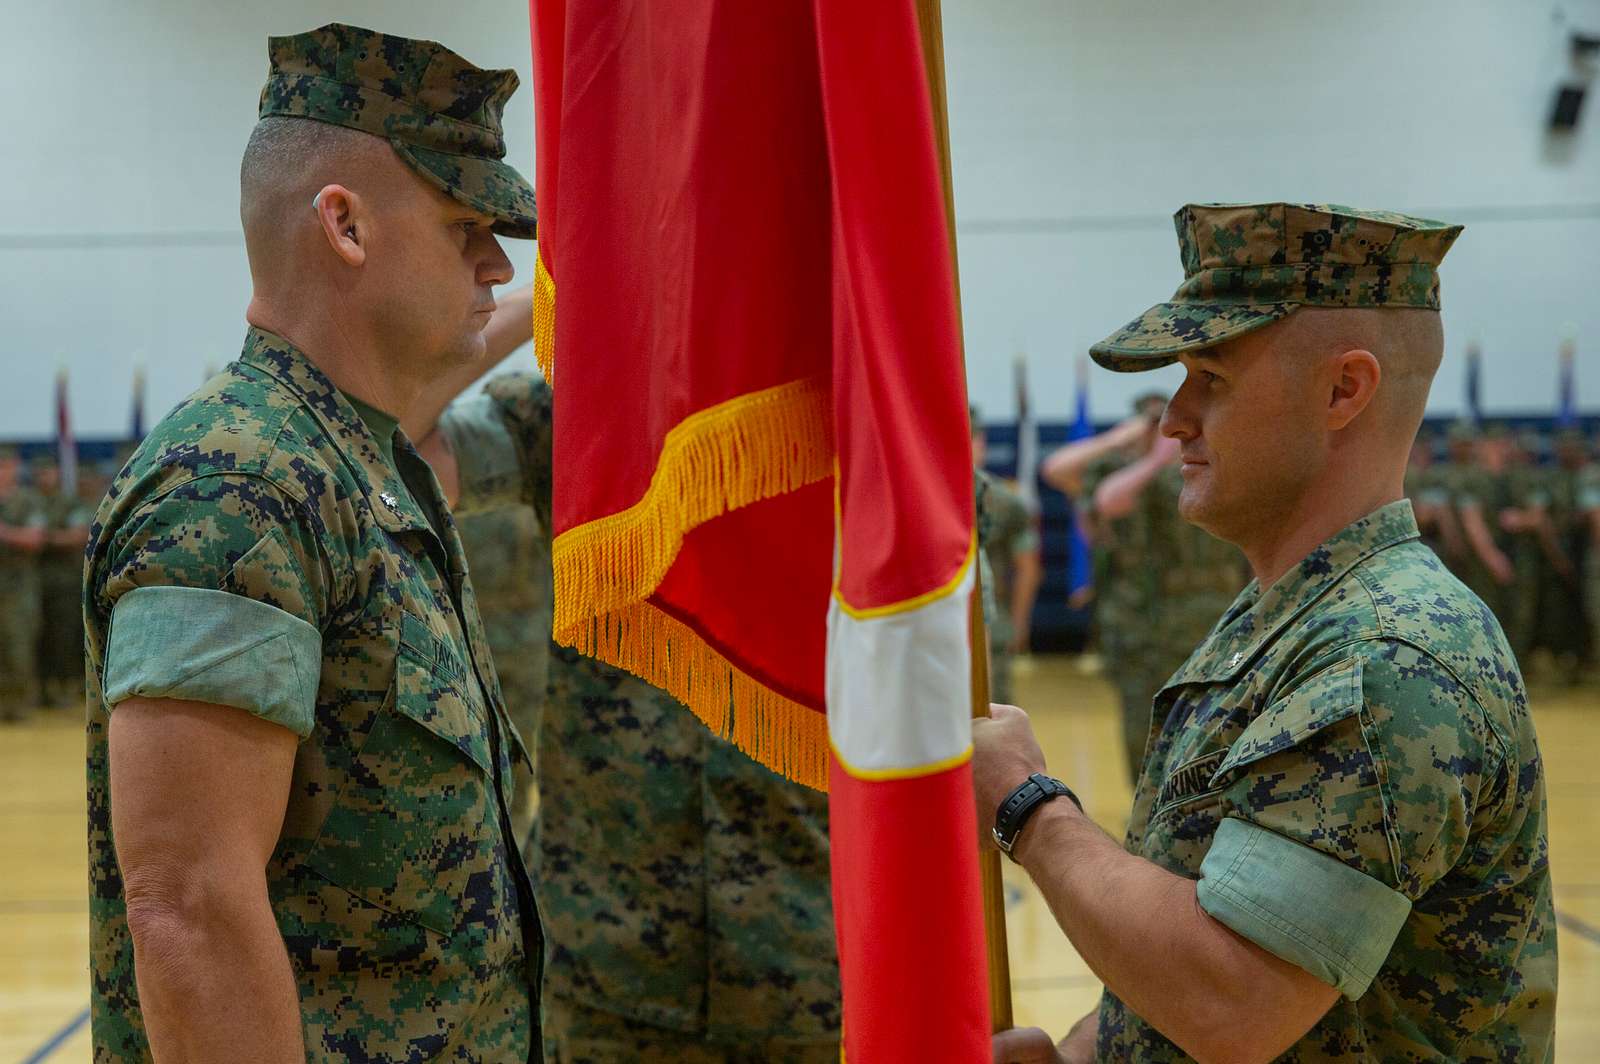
x=1081, y=573
x=1567, y=388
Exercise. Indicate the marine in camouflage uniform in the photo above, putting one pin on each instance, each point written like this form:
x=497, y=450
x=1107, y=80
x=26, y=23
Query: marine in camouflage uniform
x=1332, y=734
x=1563, y=627
x=1005, y=530
x=1347, y=764
x=1438, y=491
x=60, y=653
x=22, y=524
x=510, y=554
x=684, y=888
x=1502, y=493
x=1588, y=507
x=276, y=547
x=1165, y=584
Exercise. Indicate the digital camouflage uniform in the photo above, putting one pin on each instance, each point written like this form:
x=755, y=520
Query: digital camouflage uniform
x=1006, y=530
x=263, y=504
x=684, y=888
x=1166, y=584
x=1347, y=764
x=509, y=554
x=21, y=508
x=265, y=550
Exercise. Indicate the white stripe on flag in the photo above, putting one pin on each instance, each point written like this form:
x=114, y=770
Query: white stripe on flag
x=899, y=686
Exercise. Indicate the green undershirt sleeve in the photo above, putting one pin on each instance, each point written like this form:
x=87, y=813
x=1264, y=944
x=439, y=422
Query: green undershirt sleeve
x=201, y=645
x=1300, y=904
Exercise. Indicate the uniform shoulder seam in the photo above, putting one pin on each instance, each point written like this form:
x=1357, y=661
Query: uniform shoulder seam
x=1468, y=692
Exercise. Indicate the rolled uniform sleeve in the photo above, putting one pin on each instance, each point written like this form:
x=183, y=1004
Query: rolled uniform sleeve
x=502, y=440
x=217, y=592
x=1348, y=798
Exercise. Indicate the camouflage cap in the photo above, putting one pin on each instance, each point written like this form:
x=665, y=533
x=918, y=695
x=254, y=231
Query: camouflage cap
x=440, y=113
x=1249, y=265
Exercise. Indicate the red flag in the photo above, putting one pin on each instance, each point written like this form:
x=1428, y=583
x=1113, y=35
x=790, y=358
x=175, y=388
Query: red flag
x=763, y=493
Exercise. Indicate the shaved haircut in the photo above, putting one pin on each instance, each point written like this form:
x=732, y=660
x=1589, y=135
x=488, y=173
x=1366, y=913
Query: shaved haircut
x=286, y=162
x=1407, y=342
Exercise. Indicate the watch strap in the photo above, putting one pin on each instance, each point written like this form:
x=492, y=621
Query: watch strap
x=1020, y=804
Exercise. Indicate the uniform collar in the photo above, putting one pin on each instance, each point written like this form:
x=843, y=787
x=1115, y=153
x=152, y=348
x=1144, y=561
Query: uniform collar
x=387, y=497
x=1257, y=616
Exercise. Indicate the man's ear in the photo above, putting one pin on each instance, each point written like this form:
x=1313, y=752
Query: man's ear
x=337, y=208
x=1356, y=374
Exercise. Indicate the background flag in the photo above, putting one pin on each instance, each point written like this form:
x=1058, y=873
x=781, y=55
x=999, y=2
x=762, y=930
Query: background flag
x=1027, y=440
x=763, y=476
x=136, y=417
x=1567, y=395
x=66, y=444
x=1474, y=375
x=1081, y=561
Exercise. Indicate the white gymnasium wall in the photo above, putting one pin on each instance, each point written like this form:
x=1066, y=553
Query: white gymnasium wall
x=119, y=231
x=1078, y=127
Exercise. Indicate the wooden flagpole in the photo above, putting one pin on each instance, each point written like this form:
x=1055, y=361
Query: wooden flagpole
x=931, y=24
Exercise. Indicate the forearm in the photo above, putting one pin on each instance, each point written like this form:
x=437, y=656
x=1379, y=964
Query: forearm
x=1119, y=494
x=215, y=982
x=1064, y=467
x=1142, y=931
x=1478, y=536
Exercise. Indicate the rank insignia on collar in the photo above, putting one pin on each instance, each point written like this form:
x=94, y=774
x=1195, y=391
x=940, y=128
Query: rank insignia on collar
x=390, y=501
x=1233, y=662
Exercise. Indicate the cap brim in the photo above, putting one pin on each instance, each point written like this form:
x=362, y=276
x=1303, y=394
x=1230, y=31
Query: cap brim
x=1158, y=336
x=489, y=186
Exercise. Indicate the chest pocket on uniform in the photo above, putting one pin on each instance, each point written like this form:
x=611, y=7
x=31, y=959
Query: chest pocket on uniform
x=414, y=830
x=1322, y=701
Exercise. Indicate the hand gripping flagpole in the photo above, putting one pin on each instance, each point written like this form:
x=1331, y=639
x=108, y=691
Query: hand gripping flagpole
x=931, y=24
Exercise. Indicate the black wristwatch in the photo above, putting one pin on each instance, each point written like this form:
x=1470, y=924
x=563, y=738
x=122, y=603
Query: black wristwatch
x=1019, y=805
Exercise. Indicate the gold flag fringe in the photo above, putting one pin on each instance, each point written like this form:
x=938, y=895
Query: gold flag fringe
x=787, y=737
x=752, y=447
x=749, y=448
x=544, y=320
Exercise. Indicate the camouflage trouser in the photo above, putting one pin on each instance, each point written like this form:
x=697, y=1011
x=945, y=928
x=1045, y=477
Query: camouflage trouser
x=578, y=1034
x=19, y=642
x=1136, y=690
x=61, y=631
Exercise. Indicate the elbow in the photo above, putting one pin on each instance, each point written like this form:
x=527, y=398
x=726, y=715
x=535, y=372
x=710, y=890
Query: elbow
x=164, y=921
x=176, y=916
x=1064, y=480
x=1111, y=506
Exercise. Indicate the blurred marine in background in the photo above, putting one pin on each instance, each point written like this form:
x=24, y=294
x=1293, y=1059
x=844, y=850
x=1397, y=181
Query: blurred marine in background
x=23, y=534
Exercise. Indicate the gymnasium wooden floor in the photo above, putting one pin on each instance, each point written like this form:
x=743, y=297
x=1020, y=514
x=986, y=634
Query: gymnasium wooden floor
x=43, y=915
